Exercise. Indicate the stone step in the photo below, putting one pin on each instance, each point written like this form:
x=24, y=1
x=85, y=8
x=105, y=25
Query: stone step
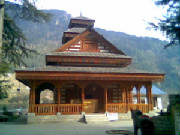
x=71, y=117
x=124, y=116
x=94, y=114
x=58, y=118
x=95, y=117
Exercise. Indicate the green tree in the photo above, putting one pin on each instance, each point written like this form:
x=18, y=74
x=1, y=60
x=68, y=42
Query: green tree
x=170, y=24
x=13, y=48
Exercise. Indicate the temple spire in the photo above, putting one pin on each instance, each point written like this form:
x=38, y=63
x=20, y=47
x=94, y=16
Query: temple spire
x=80, y=14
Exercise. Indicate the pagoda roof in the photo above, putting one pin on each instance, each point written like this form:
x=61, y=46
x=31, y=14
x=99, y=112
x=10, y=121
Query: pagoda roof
x=89, y=54
x=75, y=30
x=84, y=34
x=88, y=69
x=82, y=18
x=86, y=73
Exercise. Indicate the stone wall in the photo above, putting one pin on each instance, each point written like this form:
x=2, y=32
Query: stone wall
x=175, y=112
x=176, y=117
x=32, y=118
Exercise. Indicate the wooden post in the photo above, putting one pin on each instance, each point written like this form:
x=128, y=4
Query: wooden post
x=127, y=99
x=106, y=98
x=138, y=94
x=149, y=95
x=58, y=94
x=32, y=97
x=33, y=92
x=130, y=94
x=123, y=95
x=83, y=97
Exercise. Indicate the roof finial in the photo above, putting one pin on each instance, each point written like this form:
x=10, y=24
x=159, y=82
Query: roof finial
x=80, y=14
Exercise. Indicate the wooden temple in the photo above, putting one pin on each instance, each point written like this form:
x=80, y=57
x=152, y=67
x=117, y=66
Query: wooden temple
x=87, y=74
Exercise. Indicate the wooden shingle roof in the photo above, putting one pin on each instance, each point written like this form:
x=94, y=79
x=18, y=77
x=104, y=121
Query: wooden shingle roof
x=82, y=18
x=87, y=69
x=89, y=54
x=86, y=73
x=76, y=30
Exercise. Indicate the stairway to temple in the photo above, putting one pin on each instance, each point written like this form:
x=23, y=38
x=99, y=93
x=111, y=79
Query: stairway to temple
x=71, y=118
x=87, y=118
x=124, y=116
x=95, y=117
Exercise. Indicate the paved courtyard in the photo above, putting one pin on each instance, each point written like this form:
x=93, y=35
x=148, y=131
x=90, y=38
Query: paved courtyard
x=64, y=128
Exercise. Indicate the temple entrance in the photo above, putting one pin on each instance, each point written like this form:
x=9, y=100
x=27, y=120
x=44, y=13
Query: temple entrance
x=70, y=94
x=94, y=99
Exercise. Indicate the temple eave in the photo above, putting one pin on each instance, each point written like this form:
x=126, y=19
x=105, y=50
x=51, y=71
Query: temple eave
x=42, y=75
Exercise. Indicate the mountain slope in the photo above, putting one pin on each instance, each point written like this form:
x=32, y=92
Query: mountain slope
x=148, y=53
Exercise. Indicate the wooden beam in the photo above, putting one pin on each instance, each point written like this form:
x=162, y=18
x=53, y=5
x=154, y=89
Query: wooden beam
x=74, y=40
x=57, y=75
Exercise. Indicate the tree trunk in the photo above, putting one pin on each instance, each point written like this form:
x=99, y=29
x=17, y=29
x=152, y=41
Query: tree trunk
x=1, y=24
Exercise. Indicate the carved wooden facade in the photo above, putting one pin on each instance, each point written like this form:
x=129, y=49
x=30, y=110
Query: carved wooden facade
x=87, y=74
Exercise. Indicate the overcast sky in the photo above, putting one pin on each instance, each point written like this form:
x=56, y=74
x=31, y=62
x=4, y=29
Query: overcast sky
x=129, y=16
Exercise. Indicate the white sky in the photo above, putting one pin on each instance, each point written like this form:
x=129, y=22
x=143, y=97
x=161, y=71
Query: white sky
x=129, y=16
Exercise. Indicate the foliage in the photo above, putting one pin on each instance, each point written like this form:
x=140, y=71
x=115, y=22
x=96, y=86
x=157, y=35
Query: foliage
x=170, y=24
x=20, y=100
x=14, y=42
x=4, y=83
x=4, y=86
x=29, y=12
x=14, y=48
x=9, y=115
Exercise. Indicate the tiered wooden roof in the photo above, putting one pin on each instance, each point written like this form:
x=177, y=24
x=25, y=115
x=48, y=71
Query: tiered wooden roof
x=86, y=55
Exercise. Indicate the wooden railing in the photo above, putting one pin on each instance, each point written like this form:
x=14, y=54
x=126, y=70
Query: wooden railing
x=52, y=109
x=117, y=107
x=44, y=109
x=123, y=108
x=142, y=107
x=70, y=108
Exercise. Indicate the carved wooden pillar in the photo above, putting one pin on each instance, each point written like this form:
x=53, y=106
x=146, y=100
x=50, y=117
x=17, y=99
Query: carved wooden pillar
x=58, y=94
x=83, y=97
x=32, y=97
x=149, y=95
x=33, y=92
x=106, y=98
x=123, y=95
x=138, y=94
x=130, y=94
x=127, y=99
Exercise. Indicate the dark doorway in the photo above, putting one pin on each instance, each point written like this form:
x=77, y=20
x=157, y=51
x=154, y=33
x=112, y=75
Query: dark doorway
x=94, y=99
